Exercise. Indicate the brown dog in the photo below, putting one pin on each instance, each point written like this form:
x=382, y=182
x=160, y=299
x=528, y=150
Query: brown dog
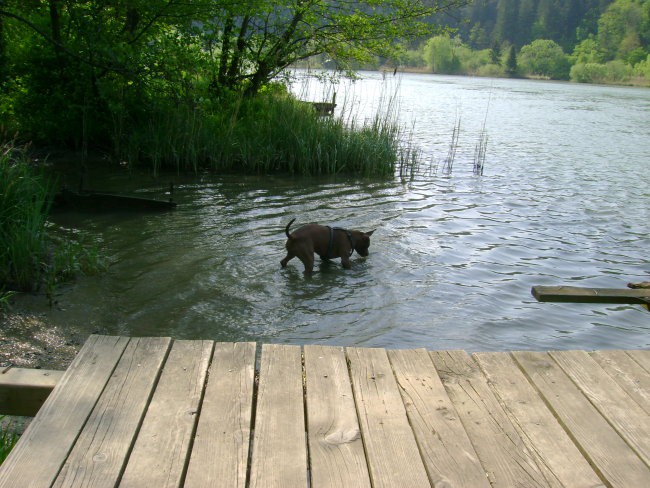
x=327, y=242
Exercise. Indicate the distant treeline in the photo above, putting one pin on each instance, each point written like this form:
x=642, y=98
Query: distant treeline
x=482, y=23
x=589, y=41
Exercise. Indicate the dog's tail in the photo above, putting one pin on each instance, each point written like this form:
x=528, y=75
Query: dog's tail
x=286, y=229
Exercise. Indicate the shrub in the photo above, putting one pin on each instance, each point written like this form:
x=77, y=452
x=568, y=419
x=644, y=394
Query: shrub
x=544, y=58
x=588, y=73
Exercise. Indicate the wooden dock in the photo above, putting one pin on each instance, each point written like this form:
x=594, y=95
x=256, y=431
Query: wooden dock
x=154, y=413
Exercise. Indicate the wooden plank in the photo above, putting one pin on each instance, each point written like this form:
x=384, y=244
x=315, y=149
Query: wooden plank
x=279, y=447
x=391, y=449
x=161, y=451
x=499, y=446
x=557, y=456
x=23, y=391
x=591, y=295
x=447, y=452
x=607, y=452
x=336, y=450
x=629, y=374
x=220, y=451
x=99, y=455
x=628, y=418
x=37, y=458
x=642, y=357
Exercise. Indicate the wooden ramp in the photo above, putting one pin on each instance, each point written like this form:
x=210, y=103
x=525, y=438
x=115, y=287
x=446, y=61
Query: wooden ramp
x=154, y=413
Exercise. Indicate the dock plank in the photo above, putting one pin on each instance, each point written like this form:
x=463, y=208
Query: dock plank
x=391, y=449
x=336, y=452
x=607, y=452
x=161, y=449
x=499, y=446
x=279, y=447
x=448, y=454
x=642, y=357
x=629, y=374
x=591, y=295
x=623, y=413
x=45, y=444
x=220, y=451
x=557, y=456
x=99, y=455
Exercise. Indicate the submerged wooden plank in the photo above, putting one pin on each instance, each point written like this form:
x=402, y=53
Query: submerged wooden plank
x=161, y=450
x=45, y=444
x=628, y=418
x=447, y=452
x=499, y=446
x=629, y=374
x=337, y=457
x=590, y=295
x=606, y=450
x=279, y=447
x=99, y=455
x=220, y=451
x=557, y=456
x=23, y=391
x=391, y=449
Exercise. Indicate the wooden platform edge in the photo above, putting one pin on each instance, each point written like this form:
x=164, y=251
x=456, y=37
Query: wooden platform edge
x=577, y=294
x=23, y=391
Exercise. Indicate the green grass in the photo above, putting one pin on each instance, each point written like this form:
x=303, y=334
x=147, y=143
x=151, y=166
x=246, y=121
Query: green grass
x=25, y=198
x=30, y=253
x=8, y=439
x=270, y=133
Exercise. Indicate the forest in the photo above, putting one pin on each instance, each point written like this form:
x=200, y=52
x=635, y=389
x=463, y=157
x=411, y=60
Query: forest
x=589, y=41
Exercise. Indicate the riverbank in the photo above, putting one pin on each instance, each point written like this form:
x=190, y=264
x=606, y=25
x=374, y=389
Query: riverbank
x=29, y=340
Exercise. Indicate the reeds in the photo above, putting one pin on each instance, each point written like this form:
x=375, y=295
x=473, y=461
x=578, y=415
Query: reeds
x=271, y=133
x=30, y=254
x=448, y=165
x=25, y=198
x=8, y=439
x=481, y=145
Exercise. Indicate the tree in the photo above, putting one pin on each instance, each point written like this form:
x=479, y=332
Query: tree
x=440, y=55
x=544, y=58
x=511, y=62
x=619, y=28
x=259, y=41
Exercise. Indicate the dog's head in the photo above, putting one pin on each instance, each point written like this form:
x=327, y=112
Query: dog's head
x=362, y=242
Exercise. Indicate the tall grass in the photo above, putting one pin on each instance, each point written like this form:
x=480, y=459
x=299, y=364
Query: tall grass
x=8, y=439
x=25, y=199
x=270, y=133
x=30, y=254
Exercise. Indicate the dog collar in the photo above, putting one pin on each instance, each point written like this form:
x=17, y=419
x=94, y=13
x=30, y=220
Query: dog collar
x=330, y=245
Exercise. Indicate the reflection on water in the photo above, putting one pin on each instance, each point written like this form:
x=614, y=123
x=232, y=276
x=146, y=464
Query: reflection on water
x=564, y=200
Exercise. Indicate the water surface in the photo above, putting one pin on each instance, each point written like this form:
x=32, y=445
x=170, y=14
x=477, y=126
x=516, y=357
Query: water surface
x=563, y=200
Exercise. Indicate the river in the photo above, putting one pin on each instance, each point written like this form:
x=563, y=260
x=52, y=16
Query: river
x=563, y=200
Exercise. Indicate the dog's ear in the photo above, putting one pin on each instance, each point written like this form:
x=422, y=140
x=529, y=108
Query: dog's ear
x=370, y=233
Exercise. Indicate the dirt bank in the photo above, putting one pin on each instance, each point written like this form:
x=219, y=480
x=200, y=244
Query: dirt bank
x=28, y=341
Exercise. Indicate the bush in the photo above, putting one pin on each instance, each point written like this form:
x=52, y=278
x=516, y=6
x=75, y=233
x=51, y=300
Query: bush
x=642, y=69
x=588, y=73
x=544, y=58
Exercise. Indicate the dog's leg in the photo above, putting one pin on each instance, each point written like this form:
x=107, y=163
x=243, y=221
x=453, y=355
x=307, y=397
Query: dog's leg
x=288, y=258
x=308, y=261
x=345, y=261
